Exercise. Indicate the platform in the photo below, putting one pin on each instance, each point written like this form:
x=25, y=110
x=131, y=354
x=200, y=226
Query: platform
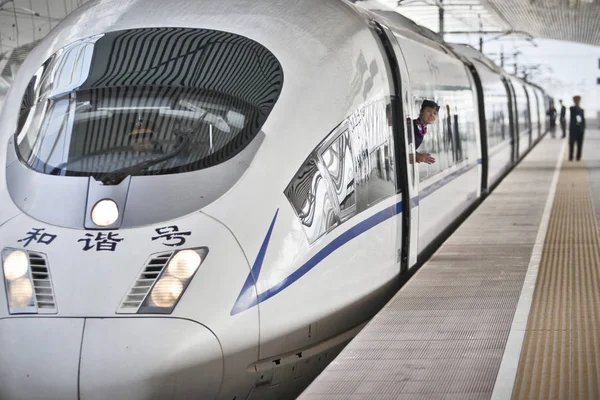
x=469, y=325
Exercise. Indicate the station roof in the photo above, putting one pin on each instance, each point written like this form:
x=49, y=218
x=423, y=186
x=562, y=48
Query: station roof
x=570, y=20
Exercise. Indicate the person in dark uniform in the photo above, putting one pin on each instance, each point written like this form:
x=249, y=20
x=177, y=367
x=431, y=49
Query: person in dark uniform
x=428, y=115
x=552, y=117
x=563, y=118
x=576, y=128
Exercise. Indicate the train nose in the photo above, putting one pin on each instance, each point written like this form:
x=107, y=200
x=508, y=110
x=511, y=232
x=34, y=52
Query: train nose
x=149, y=358
x=39, y=358
x=112, y=358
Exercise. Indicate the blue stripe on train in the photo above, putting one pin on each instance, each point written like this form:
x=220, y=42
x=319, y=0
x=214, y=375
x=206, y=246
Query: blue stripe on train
x=248, y=298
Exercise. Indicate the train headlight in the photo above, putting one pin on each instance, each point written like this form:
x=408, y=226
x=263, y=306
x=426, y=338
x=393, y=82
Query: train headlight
x=166, y=292
x=105, y=213
x=20, y=293
x=184, y=264
x=18, y=281
x=169, y=285
x=16, y=265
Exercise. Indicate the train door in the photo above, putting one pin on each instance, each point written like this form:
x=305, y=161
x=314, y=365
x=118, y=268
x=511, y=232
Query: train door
x=403, y=115
x=529, y=127
x=514, y=119
x=483, y=134
x=534, y=113
x=413, y=175
x=540, y=108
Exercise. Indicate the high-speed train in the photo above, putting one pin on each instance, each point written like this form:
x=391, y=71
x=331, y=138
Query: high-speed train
x=209, y=198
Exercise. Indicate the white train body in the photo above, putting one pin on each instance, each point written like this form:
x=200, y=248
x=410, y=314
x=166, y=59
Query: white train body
x=283, y=215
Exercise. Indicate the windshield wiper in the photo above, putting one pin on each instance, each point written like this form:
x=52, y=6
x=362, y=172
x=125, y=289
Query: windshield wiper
x=115, y=177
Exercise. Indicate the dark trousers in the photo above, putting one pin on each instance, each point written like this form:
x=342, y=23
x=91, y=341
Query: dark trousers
x=575, y=137
x=563, y=126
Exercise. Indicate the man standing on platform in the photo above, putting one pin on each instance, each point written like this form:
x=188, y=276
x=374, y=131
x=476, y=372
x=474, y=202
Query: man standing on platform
x=552, y=115
x=576, y=128
x=563, y=118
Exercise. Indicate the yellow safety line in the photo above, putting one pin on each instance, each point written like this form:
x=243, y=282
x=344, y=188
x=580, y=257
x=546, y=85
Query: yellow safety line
x=560, y=358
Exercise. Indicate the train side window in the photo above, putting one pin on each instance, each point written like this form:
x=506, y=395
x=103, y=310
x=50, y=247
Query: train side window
x=451, y=139
x=380, y=184
x=496, y=123
x=338, y=162
x=411, y=142
x=309, y=195
x=372, y=135
x=444, y=156
x=460, y=138
x=352, y=169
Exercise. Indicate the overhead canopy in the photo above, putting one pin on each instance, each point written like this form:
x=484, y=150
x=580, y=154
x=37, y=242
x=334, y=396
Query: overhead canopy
x=570, y=20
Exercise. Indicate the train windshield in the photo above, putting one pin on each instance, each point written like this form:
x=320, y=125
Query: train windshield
x=146, y=102
x=98, y=131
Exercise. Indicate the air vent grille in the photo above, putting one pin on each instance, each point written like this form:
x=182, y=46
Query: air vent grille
x=144, y=283
x=42, y=283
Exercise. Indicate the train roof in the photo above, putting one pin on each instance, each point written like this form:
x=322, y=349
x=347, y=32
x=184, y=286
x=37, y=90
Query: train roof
x=322, y=21
x=473, y=54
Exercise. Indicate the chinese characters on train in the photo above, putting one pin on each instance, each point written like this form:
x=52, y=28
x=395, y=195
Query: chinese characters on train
x=170, y=236
x=36, y=235
x=101, y=241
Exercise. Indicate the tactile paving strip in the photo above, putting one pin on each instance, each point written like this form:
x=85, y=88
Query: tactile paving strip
x=560, y=358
